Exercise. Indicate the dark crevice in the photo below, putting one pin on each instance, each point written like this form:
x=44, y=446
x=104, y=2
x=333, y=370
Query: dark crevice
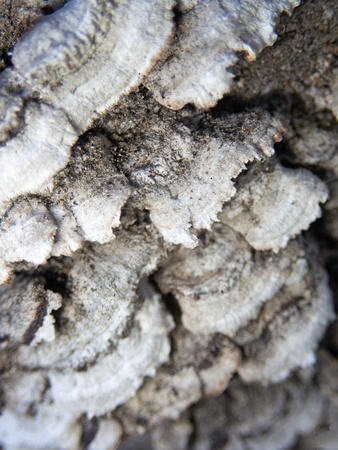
x=46, y=10
x=58, y=282
x=169, y=300
x=4, y=338
x=41, y=312
x=287, y=158
x=173, y=307
x=89, y=430
x=2, y=402
x=130, y=321
x=6, y=57
x=177, y=15
x=53, y=279
x=328, y=252
x=193, y=435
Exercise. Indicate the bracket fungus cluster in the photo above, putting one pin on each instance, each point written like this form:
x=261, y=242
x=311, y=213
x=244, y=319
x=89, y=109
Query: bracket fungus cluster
x=161, y=283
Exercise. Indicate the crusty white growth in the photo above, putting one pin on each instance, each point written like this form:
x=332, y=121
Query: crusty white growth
x=98, y=215
x=137, y=33
x=183, y=176
x=199, y=366
x=36, y=153
x=103, y=299
x=87, y=197
x=84, y=203
x=70, y=393
x=120, y=372
x=274, y=205
x=209, y=36
x=78, y=61
x=62, y=42
x=87, y=340
x=198, y=195
x=25, y=431
x=29, y=224
x=46, y=332
x=225, y=283
x=287, y=331
x=69, y=236
x=113, y=328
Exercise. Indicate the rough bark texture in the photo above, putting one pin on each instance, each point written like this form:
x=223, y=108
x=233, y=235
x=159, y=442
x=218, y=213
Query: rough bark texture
x=168, y=264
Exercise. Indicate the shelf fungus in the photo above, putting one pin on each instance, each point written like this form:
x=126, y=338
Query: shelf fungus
x=108, y=324
x=287, y=330
x=225, y=282
x=151, y=255
x=82, y=203
x=34, y=150
x=232, y=287
x=28, y=222
x=274, y=204
x=73, y=65
x=209, y=164
x=181, y=174
x=78, y=61
x=200, y=366
x=209, y=36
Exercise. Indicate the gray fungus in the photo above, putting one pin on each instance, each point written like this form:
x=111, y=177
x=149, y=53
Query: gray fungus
x=154, y=276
